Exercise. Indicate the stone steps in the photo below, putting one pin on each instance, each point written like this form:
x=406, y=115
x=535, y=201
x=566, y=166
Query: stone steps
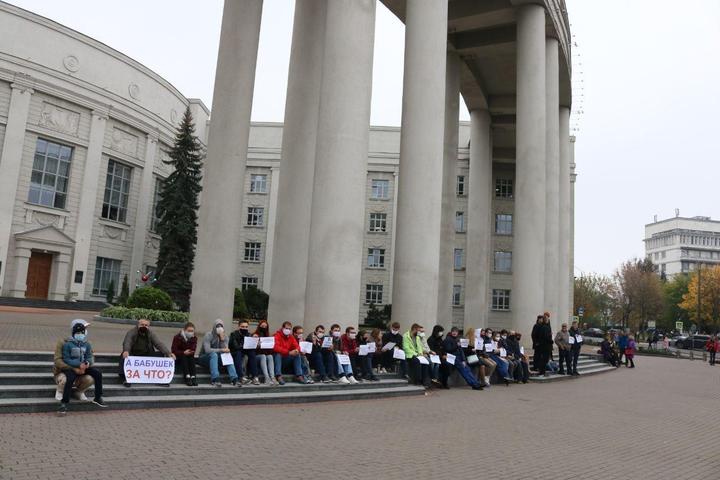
x=588, y=364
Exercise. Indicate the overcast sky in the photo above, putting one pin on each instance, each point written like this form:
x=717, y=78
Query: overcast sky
x=649, y=71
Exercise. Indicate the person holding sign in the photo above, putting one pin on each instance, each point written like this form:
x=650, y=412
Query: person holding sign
x=215, y=343
x=349, y=346
x=321, y=357
x=506, y=352
x=492, y=351
x=413, y=346
x=344, y=370
x=77, y=354
x=575, y=347
x=366, y=345
x=475, y=341
x=141, y=341
x=563, y=341
x=451, y=346
x=265, y=356
x=239, y=353
x=183, y=347
x=305, y=349
x=394, y=337
x=439, y=372
x=287, y=354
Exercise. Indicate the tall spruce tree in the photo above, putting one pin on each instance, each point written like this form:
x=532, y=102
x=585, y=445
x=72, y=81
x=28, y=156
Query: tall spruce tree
x=177, y=212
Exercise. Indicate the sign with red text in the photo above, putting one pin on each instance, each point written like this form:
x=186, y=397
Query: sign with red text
x=149, y=369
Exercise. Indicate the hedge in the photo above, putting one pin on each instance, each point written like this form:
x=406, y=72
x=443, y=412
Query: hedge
x=138, y=313
x=150, y=298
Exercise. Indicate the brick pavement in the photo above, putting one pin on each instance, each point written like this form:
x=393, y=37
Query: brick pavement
x=658, y=421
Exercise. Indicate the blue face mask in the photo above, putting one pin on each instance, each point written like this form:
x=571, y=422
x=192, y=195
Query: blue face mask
x=80, y=337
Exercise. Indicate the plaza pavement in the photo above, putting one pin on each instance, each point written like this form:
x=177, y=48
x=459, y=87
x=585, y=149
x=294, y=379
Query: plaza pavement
x=658, y=421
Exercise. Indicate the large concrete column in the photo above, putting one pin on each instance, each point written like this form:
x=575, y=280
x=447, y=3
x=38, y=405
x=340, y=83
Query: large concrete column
x=10, y=163
x=573, y=177
x=553, y=283
x=417, y=256
x=88, y=202
x=479, y=220
x=142, y=219
x=288, y=273
x=565, y=310
x=22, y=261
x=271, y=219
x=338, y=202
x=449, y=177
x=224, y=171
x=527, y=296
x=59, y=282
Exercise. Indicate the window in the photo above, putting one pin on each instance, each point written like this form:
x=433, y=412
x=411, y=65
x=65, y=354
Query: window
x=106, y=270
x=252, y=252
x=378, y=222
x=503, y=224
x=460, y=222
x=117, y=191
x=458, y=258
x=503, y=188
x=457, y=291
x=155, y=220
x=503, y=262
x=258, y=183
x=247, y=282
x=460, y=185
x=501, y=299
x=50, y=172
x=380, y=189
x=376, y=258
x=373, y=294
x=255, y=216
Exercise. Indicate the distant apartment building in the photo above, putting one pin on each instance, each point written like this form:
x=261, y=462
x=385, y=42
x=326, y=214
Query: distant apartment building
x=679, y=244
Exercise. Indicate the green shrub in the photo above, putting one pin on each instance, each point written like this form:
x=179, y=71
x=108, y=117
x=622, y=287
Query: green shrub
x=152, y=315
x=151, y=298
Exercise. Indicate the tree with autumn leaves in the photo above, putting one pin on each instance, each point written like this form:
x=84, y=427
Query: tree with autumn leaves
x=708, y=309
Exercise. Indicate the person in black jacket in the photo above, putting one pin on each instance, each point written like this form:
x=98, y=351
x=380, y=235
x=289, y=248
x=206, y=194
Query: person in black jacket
x=512, y=344
x=438, y=372
x=545, y=344
x=535, y=336
x=451, y=345
x=236, y=346
x=575, y=348
x=386, y=357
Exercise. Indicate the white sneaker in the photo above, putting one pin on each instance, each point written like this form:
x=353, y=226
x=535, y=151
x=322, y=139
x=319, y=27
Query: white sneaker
x=341, y=380
x=352, y=380
x=58, y=395
x=487, y=380
x=81, y=397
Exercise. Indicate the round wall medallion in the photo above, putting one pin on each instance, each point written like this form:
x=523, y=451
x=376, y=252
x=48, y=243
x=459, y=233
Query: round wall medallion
x=71, y=63
x=134, y=90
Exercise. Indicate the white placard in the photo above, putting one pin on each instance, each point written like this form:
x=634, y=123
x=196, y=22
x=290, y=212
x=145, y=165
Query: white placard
x=464, y=343
x=327, y=342
x=503, y=352
x=363, y=351
x=473, y=359
x=477, y=332
x=435, y=359
x=371, y=347
x=149, y=369
x=399, y=354
x=522, y=350
x=450, y=359
x=489, y=347
x=479, y=344
x=578, y=338
x=388, y=346
x=422, y=359
x=343, y=359
x=306, y=347
x=267, y=342
x=250, y=343
x=226, y=359
x=571, y=340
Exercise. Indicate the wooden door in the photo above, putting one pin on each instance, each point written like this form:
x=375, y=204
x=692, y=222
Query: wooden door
x=38, y=275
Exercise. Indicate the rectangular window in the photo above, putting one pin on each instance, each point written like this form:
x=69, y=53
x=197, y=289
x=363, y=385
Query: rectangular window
x=503, y=261
x=460, y=185
x=106, y=270
x=380, y=190
x=457, y=291
x=258, y=183
x=373, y=294
x=252, y=252
x=458, y=258
x=50, y=174
x=255, y=216
x=503, y=224
x=247, y=282
x=460, y=222
x=378, y=222
x=155, y=220
x=501, y=300
x=376, y=258
x=117, y=191
x=503, y=188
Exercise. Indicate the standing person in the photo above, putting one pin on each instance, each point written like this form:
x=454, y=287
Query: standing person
x=622, y=345
x=237, y=348
x=184, y=345
x=575, y=347
x=265, y=355
x=712, y=346
x=287, y=354
x=386, y=357
x=141, y=341
x=562, y=340
x=535, y=336
x=321, y=358
x=215, y=343
x=630, y=351
x=77, y=354
x=439, y=372
x=82, y=383
x=413, y=347
x=545, y=344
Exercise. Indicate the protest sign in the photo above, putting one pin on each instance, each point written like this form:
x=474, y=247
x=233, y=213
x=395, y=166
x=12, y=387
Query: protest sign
x=149, y=369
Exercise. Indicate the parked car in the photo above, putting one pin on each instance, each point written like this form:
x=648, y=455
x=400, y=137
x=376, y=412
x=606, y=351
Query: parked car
x=593, y=333
x=695, y=342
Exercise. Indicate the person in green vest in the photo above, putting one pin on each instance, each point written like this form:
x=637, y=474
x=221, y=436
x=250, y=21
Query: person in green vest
x=415, y=355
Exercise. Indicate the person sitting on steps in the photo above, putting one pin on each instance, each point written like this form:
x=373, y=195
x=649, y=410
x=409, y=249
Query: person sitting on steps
x=77, y=354
x=82, y=383
x=141, y=341
x=184, y=345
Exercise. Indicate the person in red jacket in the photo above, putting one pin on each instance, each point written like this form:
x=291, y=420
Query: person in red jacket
x=712, y=346
x=183, y=347
x=287, y=354
x=350, y=347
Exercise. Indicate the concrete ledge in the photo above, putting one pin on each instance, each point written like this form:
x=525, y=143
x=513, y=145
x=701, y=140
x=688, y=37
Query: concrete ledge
x=130, y=321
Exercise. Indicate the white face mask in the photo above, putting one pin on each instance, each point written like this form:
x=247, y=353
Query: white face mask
x=421, y=334
x=287, y=331
x=352, y=335
x=504, y=337
x=336, y=334
x=189, y=334
x=320, y=334
x=220, y=330
x=395, y=332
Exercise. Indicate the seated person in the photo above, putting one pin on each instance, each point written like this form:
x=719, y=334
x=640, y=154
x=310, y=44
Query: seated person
x=522, y=373
x=451, y=345
x=298, y=333
x=350, y=347
x=514, y=367
x=183, y=347
x=82, y=383
x=438, y=371
x=366, y=361
x=386, y=357
x=345, y=372
x=608, y=352
x=485, y=366
x=77, y=354
x=265, y=356
x=376, y=336
x=237, y=348
x=215, y=343
x=321, y=359
x=413, y=347
x=141, y=341
x=494, y=354
x=287, y=354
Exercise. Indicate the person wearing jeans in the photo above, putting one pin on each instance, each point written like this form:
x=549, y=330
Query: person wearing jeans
x=562, y=340
x=265, y=356
x=77, y=354
x=366, y=361
x=321, y=359
x=345, y=372
x=237, y=348
x=215, y=343
x=386, y=357
x=286, y=353
x=451, y=345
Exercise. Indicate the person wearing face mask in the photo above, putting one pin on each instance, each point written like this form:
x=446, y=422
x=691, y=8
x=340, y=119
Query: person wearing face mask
x=514, y=367
x=287, y=354
x=386, y=357
x=451, y=345
x=82, y=382
x=237, y=348
x=485, y=366
x=345, y=372
x=366, y=361
x=77, y=354
x=183, y=347
x=265, y=356
x=321, y=359
x=413, y=346
x=215, y=343
x=141, y=341
x=562, y=340
x=494, y=354
x=298, y=333
x=438, y=372
x=350, y=347
x=522, y=372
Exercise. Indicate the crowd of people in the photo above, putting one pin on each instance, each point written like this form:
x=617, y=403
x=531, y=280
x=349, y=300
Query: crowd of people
x=619, y=349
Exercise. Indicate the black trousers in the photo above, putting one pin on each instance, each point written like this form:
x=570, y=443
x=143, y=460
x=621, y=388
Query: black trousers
x=574, y=355
x=187, y=365
x=544, y=358
x=72, y=376
x=420, y=373
x=565, y=357
x=712, y=358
